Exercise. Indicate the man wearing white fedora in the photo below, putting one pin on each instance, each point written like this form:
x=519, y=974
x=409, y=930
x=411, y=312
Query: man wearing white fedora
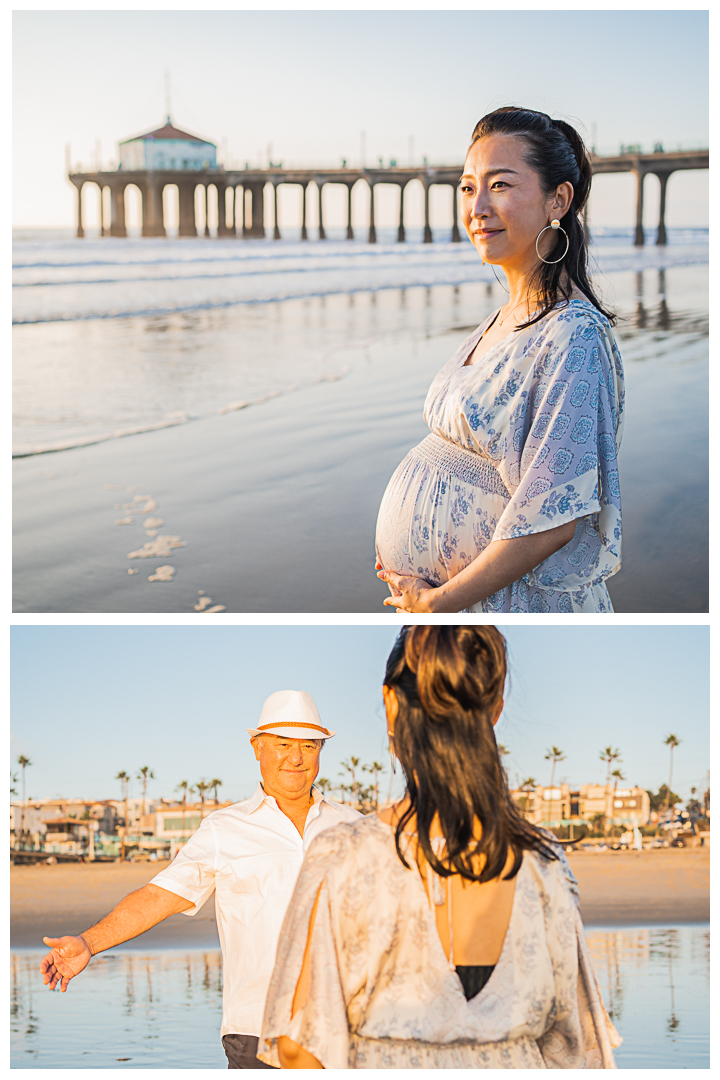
x=250, y=855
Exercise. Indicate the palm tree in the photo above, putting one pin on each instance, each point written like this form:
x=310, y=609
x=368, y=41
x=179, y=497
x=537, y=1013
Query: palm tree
x=527, y=785
x=503, y=752
x=215, y=784
x=186, y=790
x=352, y=787
x=201, y=787
x=145, y=774
x=609, y=756
x=351, y=766
x=23, y=762
x=124, y=779
x=554, y=754
x=672, y=741
x=375, y=769
x=619, y=775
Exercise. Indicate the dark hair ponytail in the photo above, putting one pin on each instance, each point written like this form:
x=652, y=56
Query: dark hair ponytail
x=558, y=154
x=449, y=682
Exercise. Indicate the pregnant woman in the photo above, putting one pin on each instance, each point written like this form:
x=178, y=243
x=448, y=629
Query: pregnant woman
x=512, y=503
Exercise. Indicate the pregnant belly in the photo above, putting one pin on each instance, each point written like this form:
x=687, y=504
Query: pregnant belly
x=439, y=511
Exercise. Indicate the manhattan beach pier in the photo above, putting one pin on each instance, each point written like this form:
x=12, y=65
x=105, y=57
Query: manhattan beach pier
x=169, y=156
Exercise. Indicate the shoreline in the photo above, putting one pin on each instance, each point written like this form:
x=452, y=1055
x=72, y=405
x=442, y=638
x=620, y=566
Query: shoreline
x=274, y=508
x=618, y=890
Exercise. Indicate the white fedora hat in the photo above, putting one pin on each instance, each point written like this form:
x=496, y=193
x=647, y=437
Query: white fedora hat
x=291, y=713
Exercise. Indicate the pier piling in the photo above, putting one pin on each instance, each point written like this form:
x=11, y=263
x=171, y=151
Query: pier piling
x=253, y=181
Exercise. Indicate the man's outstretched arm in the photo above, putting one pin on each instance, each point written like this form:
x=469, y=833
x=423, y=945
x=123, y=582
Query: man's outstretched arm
x=136, y=913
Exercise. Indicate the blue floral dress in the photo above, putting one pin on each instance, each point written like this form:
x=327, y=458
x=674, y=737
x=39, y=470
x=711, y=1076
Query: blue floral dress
x=522, y=441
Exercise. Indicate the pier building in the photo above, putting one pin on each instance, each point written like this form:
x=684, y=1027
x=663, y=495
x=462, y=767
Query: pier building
x=169, y=156
x=167, y=148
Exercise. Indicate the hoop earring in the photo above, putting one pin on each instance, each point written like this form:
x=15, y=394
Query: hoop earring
x=554, y=224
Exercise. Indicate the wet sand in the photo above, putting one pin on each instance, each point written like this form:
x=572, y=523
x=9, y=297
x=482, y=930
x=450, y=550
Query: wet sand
x=275, y=505
x=623, y=888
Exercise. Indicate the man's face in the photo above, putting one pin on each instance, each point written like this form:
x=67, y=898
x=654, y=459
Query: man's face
x=288, y=766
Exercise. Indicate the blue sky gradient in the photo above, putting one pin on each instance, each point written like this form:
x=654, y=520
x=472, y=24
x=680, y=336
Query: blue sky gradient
x=90, y=701
x=303, y=85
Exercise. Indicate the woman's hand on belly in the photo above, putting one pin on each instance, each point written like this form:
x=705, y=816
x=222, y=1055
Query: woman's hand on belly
x=500, y=564
x=409, y=592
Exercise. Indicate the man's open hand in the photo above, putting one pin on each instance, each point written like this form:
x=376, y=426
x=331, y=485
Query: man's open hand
x=67, y=958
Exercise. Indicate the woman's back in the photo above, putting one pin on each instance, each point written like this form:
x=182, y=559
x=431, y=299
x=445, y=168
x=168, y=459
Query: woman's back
x=472, y=920
x=445, y=932
x=383, y=993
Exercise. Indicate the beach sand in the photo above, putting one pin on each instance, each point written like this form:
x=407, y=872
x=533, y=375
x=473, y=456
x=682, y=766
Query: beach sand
x=276, y=504
x=67, y=898
x=618, y=888
x=645, y=888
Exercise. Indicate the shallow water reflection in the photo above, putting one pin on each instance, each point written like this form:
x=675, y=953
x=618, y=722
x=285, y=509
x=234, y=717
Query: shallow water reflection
x=656, y=987
x=128, y=1010
x=163, y=1010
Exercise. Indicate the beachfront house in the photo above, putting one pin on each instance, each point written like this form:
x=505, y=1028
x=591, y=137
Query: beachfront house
x=28, y=820
x=562, y=805
x=167, y=147
x=67, y=835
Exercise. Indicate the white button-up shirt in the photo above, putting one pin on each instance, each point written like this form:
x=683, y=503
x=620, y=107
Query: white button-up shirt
x=250, y=854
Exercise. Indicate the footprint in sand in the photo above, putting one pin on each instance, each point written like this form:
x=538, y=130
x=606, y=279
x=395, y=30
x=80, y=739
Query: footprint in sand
x=158, y=548
x=163, y=573
x=204, y=604
x=152, y=525
x=148, y=506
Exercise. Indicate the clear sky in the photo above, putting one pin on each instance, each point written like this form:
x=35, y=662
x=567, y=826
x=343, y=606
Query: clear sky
x=304, y=85
x=88, y=702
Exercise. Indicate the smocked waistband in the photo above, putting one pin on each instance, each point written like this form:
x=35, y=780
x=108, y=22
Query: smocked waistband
x=466, y=465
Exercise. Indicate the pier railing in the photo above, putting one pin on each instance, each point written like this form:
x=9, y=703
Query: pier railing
x=245, y=214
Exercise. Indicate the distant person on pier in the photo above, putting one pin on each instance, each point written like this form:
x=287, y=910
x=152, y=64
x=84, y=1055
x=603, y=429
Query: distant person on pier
x=249, y=854
x=443, y=932
x=512, y=503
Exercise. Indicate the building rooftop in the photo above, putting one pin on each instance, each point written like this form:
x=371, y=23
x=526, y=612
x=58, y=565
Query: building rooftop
x=167, y=131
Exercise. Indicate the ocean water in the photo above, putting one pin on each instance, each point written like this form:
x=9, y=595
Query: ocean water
x=162, y=1010
x=294, y=374
x=656, y=987
x=119, y=336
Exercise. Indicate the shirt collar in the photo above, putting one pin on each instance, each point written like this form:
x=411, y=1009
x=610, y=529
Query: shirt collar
x=257, y=799
x=259, y=796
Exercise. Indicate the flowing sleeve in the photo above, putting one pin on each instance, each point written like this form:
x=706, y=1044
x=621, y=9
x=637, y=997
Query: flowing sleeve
x=337, y=953
x=582, y=1035
x=560, y=457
